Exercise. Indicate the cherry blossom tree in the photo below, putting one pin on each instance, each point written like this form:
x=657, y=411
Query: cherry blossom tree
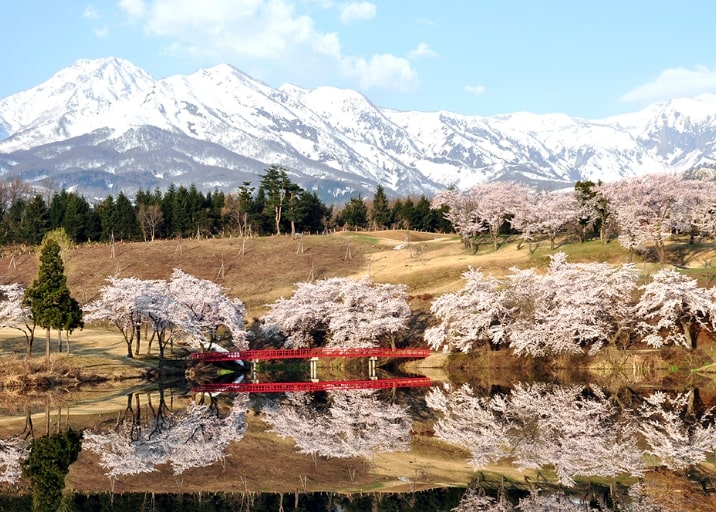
x=482, y=208
x=462, y=213
x=475, y=500
x=187, y=307
x=527, y=219
x=340, y=312
x=208, y=307
x=652, y=208
x=15, y=314
x=166, y=316
x=673, y=309
x=556, y=210
x=495, y=203
x=118, y=304
x=467, y=316
x=571, y=306
x=342, y=429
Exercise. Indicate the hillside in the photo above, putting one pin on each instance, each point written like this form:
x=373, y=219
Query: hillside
x=257, y=270
x=263, y=269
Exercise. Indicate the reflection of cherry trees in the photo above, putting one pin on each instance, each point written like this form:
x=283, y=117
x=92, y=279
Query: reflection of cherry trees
x=354, y=423
x=574, y=430
x=195, y=437
x=677, y=443
x=564, y=428
x=340, y=312
x=13, y=452
x=475, y=500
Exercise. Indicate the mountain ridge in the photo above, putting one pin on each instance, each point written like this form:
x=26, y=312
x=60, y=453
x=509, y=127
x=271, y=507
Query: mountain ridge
x=104, y=125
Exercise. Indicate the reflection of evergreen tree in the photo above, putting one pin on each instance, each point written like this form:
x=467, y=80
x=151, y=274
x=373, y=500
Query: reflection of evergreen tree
x=49, y=461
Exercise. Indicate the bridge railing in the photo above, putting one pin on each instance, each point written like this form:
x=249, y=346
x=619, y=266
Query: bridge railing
x=306, y=353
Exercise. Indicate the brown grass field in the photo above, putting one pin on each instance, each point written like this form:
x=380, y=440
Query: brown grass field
x=261, y=270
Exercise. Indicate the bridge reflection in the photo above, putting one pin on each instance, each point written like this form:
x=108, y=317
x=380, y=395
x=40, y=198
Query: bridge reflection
x=329, y=385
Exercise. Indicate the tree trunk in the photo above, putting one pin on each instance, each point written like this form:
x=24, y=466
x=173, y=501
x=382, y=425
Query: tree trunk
x=29, y=339
x=47, y=344
x=690, y=333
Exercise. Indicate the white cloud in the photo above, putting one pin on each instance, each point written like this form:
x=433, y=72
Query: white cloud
x=477, y=90
x=674, y=83
x=133, y=8
x=101, y=32
x=251, y=33
x=425, y=21
x=383, y=71
x=91, y=12
x=357, y=11
x=422, y=50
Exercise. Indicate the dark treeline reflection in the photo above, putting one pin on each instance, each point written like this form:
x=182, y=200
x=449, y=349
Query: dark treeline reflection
x=434, y=500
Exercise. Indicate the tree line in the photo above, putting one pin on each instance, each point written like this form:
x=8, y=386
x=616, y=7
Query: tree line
x=275, y=206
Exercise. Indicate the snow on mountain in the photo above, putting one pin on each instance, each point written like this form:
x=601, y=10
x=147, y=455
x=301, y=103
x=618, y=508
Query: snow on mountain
x=105, y=125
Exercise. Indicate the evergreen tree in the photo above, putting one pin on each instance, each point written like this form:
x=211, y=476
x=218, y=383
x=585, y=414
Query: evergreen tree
x=423, y=218
x=124, y=219
x=58, y=205
x=313, y=214
x=355, y=213
x=404, y=216
x=103, y=211
x=13, y=220
x=35, y=221
x=49, y=299
x=274, y=190
x=169, y=227
x=381, y=215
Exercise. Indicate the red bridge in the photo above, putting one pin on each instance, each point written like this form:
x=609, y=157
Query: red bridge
x=292, y=387
x=308, y=353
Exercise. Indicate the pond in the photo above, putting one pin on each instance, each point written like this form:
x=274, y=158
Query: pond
x=376, y=441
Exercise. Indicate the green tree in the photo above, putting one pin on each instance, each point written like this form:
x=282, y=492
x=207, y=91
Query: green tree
x=355, y=213
x=423, y=217
x=274, y=190
x=239, y=211
x=35, y=221
x=313, y=214
x=596, y=212
x=381, y=215
x=49, y=299
x=124, y=219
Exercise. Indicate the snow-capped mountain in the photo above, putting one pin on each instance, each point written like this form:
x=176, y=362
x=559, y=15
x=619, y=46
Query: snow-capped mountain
x=100, y=126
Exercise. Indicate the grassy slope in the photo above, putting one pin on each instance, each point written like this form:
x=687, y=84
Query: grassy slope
x=267, y=270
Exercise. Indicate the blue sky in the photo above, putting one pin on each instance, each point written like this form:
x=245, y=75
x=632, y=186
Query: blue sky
x=585, y=58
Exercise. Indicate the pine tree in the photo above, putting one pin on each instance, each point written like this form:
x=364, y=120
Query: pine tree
x=49, y=298
x=381, y=214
